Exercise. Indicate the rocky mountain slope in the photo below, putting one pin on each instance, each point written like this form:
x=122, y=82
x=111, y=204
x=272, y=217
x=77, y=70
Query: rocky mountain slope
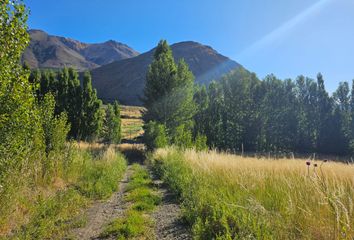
x=47, y=51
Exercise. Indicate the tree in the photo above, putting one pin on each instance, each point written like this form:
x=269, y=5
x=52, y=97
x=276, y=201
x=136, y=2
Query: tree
x=323, y=117
x=17, y=112
x=21, y=143
x=112, y=124
x=169, y=90
x=55, y=131
x=91, y=124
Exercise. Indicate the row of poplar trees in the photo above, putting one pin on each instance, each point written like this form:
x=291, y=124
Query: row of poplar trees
x=88, y=120
x=39, y=112
x=243, y=113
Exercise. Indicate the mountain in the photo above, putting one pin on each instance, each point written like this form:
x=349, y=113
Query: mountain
x=47, y=51
x=125, y=80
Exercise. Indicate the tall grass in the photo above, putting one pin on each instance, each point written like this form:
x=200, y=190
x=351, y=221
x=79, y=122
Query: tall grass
x=229, y=197
x=48, y=210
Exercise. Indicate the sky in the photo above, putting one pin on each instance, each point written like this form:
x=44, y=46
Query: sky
x=283, y=37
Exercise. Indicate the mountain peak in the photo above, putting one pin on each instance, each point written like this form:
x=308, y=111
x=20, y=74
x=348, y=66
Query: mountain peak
x=125, y=80
x=49, y=51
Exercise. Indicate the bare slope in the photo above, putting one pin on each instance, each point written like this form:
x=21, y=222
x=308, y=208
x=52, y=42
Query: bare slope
x=47, y=51
x=124, y=80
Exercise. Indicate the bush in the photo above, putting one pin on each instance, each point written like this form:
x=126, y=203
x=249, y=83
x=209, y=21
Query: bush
x=155, y=135
x=55, y=131
x=182, y=137
x=201, y=142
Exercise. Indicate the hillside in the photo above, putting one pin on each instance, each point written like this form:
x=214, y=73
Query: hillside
x=125, y=79
x=47, y=51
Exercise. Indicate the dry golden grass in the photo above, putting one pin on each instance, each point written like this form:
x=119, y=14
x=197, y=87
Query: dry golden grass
x=132, y=122
x=131, y=111
x=289, y=199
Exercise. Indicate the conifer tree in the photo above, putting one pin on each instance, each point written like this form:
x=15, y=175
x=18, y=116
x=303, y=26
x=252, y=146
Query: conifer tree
x=91, y=114
x=169, y=90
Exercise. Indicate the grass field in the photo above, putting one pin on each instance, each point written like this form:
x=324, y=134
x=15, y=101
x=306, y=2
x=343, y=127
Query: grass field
x=230, y=197
x=132, y=124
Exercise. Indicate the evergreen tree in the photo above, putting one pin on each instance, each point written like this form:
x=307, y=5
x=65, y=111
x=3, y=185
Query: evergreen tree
x=323, y=116
x=91, y=117
x=169, y=92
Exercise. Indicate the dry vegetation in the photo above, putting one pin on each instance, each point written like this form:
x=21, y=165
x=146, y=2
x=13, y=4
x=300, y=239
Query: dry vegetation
x=232, y=197
x=131, y=122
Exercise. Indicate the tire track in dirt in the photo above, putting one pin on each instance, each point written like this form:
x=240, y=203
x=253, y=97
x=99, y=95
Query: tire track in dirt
x=167, y=218
x=101, y=213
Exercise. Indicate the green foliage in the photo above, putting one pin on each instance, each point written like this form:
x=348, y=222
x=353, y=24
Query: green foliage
x=143, y=198
x=91, y=108
x=53, y=217
x=155, y=135
x=99, y=177
x=140, y=192
x=182, y=137
x=200, y=142
x=132, y=225
x=81, y=103
x=112, y=124
x=21, y=142
x=169, y=91
x=244, y=113
x=55, y=132
x=89, y=177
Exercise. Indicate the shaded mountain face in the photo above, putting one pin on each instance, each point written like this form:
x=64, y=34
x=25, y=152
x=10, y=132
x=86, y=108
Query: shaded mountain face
x=46, y=51
x=125, y=80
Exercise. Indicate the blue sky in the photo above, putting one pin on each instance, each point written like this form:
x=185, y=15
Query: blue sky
x=284, y=37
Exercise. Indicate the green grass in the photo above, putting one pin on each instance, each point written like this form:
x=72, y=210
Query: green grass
x=230, y=197
x=88, y=177
x=133, y=224
x=142, y=199
x=54, y=216
x=99, y=177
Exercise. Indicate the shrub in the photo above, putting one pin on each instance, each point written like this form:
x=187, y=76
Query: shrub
x=155, y=135
x=182, y=137
x=201, y=142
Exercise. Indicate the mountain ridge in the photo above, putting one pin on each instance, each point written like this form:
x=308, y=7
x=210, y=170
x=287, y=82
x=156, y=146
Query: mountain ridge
x=50, y=51
x=118, y=71
x=125, y=80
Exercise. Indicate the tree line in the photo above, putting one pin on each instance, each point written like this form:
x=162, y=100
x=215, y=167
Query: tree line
x=243, y=113
x=88, y=119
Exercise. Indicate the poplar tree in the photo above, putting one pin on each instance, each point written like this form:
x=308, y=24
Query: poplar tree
x=112, y=124
x=91, y=115
x=169, y=91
